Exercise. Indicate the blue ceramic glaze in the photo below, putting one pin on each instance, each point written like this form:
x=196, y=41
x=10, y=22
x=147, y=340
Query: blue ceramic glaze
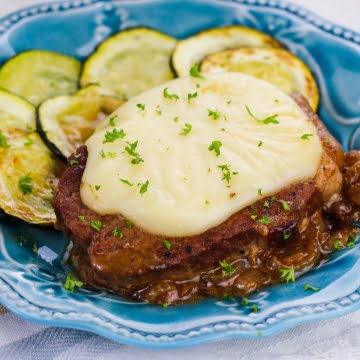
x=31, y=285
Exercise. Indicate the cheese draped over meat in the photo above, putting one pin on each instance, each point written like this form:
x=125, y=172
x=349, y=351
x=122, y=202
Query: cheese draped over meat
x=183, y=157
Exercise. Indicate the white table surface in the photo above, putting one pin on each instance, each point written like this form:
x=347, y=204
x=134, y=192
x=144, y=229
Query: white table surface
x=332, y=339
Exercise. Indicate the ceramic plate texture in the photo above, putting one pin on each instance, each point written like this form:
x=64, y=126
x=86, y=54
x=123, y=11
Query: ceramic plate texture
x=31, y=285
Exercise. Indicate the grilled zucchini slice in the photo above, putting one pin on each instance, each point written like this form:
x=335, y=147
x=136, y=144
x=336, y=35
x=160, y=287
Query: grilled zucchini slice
x=16, y=115
x=28, y=177
x=66, y=122
x=277, y=66
x=195, y=48
x=130, y=62
x=37, y=75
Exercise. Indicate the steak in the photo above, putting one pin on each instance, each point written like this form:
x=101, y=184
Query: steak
x=137, y=264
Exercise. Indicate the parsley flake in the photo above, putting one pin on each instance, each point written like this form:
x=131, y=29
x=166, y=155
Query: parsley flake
x=144, y=187
x=102, y=154
x=129, y=224
x=111, y=154
x=306, y=136
x=226, y=172
x=195, y=71
x=286, y=234
x=117, y=233
x=215, y=145
x=260, y=143
x=73, y=162
x=351, y=240
x=3, y=141
x=28, y=142
x=25, y=184
x=165, y=305
x=111, y=136
x=127, y=182
x=71, y=283
x=253, y=209
x=265, y=220
x=253, y=216
x=112, y=120
x=176, y=119
x=310, y=287
x=170, y=96
x=255, y=308
x=81, y=217
x=328, y=141
x=227, y=269
x=167, y=244
x=285, y=205
x=266, y=205
x=245, y=302
x=338, y=245
x=273, y=198
x=35, y=248
x=268, y=120
x=192, y=96
x=186, y=129
x=158, y=110
x=96, y=225
x=287, y=275
x=215, y=114
x=260, y=192
x=97, y=187
x=131, y=150
x=140, y=106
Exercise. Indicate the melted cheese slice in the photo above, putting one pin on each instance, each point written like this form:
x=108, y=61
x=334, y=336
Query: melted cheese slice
x=187, y=193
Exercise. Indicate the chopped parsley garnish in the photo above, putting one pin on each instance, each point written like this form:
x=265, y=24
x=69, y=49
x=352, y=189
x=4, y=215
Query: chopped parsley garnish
x=266, y=205
x=286, y=234
x=273, y=198
x=35, y=248
x=285, y=205
x=186, y=129
x=338, y=245
x=111, y=154
x=144, y=187
x=111, y=136
x=306, y=136
x=228, y=102
x=328, y=141
x=260, y=192
x=195, y=72
x=268, y=120
x=215, y=145
x=112, y=120
x=227, y=269
x=118, y=233
x=176, y=119
x=259, y=333
x=255, y=308
x=310, y=287
x=166, y=305
x=253, y=209
x=170, y=96
x=127, y=182
x=287, y=275
x=253, y=216
x=215, y=114
x=81, y=217
x=167, y=244
x=192, y=96
x=28, y=142
x=96, y=225
x=131, y=150
x=276, y=100
x=3, y=141
x=226, y=172
x=259, y=143
x=140, y=106
x=97, y=187
x=25, y=184
x=207, y=202
x=265, y=220
x=73, y=162
x=71, y=283
x=102, y=154
x=245, y=302
x=129, y=224
x=158, y=110
x=351, y=240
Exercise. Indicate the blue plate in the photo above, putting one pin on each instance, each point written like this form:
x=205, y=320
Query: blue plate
x=31, y=285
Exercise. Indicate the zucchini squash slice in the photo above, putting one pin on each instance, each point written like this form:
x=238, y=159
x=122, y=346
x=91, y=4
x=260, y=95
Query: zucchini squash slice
x=195, y=48
x=16, y=115
x=28, y=177
x=277, y=66
x=130, y=62
x=66, y=122
x=37, y=75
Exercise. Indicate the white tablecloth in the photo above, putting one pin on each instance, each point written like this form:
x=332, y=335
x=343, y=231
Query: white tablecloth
x=331, y=339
